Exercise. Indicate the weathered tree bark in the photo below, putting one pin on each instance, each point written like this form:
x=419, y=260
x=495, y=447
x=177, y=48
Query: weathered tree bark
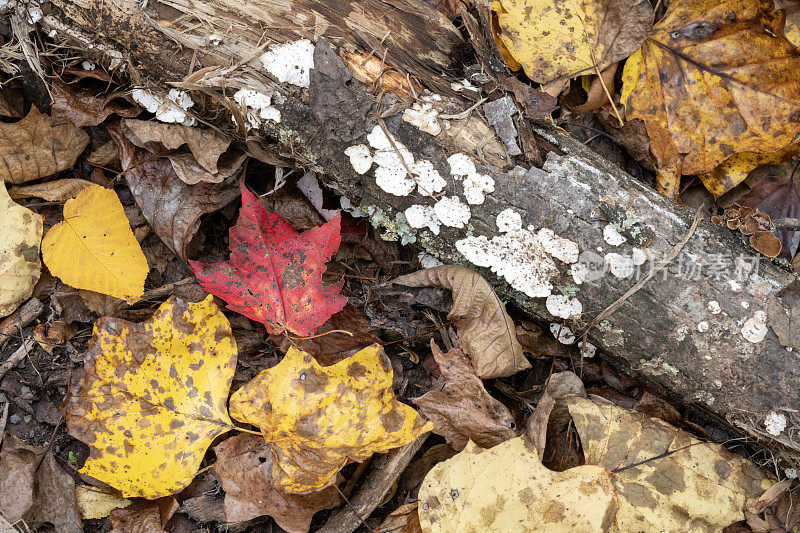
x=680, y=333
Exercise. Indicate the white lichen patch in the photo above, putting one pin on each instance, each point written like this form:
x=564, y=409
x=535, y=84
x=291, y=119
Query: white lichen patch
x=702, y=326
x=259, y=107
x=562, y=333
x=378, y=139
x=508, y=220
x=639, y=256
x=579, y=272
x=734, y=285
x=360, y=157
x=290, y=62
x=612, y=236
x=775, y=423
x=755, y=328
x=428, y=261
x=518, y=256
x=170, y=109
x=714, y=307
x=587, y=349
x=452, y=212
x=394, y=180
x=423, y=116
x=429, y=181
x=791, y=473
x=88, y=65
x=562, y=249
x=463, y=85
x=621, y=266
x=745, y=305
x=461, y=165
x=476, y=186
x=423, y=216
x=563, y=306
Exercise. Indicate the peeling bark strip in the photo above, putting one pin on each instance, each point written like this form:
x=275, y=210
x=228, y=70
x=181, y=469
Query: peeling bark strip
x=566, y=239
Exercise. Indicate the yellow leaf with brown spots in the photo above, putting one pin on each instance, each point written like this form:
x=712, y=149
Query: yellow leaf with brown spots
x=640, y=474
x=154, y=396
x=94, y=247
x=316, y=419
x=715, y=79
x=562, y=39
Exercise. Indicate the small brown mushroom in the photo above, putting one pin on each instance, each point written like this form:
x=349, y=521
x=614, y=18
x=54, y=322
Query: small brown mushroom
x=718, y=220
x=745, y=211
x=749, y=226
x=733, y=223
x=766, y=243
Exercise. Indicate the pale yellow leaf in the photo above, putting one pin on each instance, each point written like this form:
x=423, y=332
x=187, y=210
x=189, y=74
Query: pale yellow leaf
x=94, y=247
x=20, y=238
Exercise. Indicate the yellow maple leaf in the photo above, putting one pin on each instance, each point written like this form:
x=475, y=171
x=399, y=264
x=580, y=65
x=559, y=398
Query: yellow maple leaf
x=561, y=39
x=727, y=83
x=316, y=418
x=20, y=237
x=154, y=396
x=94, y=248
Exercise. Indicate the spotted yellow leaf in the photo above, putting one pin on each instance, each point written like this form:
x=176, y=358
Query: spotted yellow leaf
x=316, y=418
x=154, y=396
x=94, y=248
x=562, y=39
x=20, y=237
x=735, y=170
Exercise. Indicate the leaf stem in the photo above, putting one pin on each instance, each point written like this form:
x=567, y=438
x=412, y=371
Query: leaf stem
x=608, y=94
x=318, y=335
x=244, y=430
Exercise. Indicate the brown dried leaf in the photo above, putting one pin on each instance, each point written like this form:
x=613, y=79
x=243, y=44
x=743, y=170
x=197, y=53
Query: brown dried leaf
x=783, y=311
x=463, y=410
x=205, y=157
x=81, y=106
x=143, y=516
x=31, y=148
x=486, y=332
x=17, y=464
x=52, y=191
x=332, y=348
x=244, y=466
x=550, y=416
x=171, y=207
x=402, y=520
x=766, y=243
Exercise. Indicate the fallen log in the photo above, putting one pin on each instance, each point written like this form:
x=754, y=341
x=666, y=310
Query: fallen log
x=563, y=241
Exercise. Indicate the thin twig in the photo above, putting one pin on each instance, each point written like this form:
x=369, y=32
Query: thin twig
x=465, y=113
x=787, y=224
x=641, y=283
x=16, y=357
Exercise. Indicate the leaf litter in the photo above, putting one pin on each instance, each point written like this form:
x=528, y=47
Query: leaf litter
x=154, y=392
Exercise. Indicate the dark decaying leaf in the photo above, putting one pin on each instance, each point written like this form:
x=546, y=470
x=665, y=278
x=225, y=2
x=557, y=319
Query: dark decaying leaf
x=171, y=207
x=82, y=106
x=143, y=516
x=463, y=410
x=244, y=466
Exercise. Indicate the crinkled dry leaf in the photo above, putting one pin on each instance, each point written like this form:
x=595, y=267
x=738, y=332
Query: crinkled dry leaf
x=81, y=105
x=206, y=157
x=724, y=83
x=404, y=519
x=317, y=418
x=53, y=191
x=485, y=330
x=550, y=414
x=143, y=516
x=94, y=248
x=554, y=39
x=506, y=489
x=700, y=486
x=20, y=239
x=34, y=489
x=94, y=502
x=32, y=148
x=274, y=275
x=244, y=466
x=154, y=396
x=463, y=410
x=783, y=310
x=171, y=207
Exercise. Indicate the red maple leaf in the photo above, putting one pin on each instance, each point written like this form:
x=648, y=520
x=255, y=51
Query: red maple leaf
x=274, y=274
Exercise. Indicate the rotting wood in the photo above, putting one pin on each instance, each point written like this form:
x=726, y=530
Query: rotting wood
x=681, y=333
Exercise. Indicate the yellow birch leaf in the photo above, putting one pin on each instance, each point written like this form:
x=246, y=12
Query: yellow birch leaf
x=20, y=237
x=316, y=418
x=153, y=397
x=562, y=39
x=94, y=248
x=726, y=83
